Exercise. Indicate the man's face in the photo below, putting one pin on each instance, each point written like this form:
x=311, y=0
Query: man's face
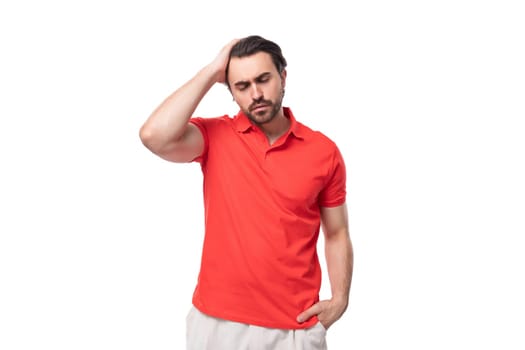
x=257, y=86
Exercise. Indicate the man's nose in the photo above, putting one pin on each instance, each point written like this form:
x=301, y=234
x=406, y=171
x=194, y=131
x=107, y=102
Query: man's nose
x=256, y=92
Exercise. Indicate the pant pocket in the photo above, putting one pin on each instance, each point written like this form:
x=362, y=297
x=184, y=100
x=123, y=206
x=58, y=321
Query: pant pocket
x=316, y=337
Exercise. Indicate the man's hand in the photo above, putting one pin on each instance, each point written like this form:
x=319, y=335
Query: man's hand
x=327, y=311
x=221, y=61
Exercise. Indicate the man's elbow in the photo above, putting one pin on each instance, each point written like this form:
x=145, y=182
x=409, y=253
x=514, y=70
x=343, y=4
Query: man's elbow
x=148, y=138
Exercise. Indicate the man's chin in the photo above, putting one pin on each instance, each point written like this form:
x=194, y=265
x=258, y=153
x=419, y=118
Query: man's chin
x=260, y=118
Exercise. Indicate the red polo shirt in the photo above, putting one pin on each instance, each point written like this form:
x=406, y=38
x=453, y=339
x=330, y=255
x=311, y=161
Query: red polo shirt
x=262, y=216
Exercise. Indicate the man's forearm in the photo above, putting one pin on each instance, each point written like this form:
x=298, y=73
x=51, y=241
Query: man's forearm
x=340, y=262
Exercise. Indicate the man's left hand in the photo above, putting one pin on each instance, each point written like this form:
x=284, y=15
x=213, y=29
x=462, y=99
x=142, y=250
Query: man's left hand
x=327, y=311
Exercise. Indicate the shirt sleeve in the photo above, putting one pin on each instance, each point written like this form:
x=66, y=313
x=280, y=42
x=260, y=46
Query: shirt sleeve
x=201, y=124
x=334, y=192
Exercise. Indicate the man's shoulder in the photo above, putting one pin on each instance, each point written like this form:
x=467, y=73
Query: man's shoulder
x=309, y=133
x=216, y=119
x=316, y=136
x=209, y=122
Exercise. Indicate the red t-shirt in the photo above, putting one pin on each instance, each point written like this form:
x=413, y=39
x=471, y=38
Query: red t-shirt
x=262, y=216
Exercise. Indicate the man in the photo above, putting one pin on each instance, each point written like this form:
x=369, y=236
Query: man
x=269, y=184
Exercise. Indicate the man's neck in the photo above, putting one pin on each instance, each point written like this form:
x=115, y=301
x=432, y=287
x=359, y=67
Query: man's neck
x=276, y=128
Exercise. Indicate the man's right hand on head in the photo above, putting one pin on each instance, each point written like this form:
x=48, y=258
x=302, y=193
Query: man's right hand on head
x=220, y=62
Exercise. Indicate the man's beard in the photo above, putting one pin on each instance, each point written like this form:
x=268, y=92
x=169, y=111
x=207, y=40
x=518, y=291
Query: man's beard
x=265, y=116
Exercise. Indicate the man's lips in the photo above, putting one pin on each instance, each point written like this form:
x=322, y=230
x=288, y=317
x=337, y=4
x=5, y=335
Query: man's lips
x=257, y=107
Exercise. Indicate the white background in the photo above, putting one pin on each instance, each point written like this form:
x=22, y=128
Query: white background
x=100, y=239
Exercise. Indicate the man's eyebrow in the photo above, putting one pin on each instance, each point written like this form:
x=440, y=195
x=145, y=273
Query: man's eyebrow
x=245, y=82
x=262, y=76
x=241, y=85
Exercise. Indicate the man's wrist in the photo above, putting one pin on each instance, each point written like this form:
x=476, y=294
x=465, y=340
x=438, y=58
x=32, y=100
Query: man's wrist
x=341, y=301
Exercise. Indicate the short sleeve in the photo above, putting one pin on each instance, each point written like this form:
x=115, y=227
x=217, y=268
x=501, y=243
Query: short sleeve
x=334, y=191
x=201, y=124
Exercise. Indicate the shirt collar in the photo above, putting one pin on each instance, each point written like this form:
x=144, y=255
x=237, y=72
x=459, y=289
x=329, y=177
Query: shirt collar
x=243, y=124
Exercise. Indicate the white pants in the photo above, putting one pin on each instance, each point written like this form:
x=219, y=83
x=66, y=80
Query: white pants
x=209, y=333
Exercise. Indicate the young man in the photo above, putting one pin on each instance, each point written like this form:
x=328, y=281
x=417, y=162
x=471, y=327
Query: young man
x=270, y=182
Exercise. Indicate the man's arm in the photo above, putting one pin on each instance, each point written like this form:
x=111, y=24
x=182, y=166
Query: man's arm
x=340, y=262
x=167, y=132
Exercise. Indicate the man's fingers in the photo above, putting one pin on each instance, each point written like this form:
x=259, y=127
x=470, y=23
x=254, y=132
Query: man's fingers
x=306, y=314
